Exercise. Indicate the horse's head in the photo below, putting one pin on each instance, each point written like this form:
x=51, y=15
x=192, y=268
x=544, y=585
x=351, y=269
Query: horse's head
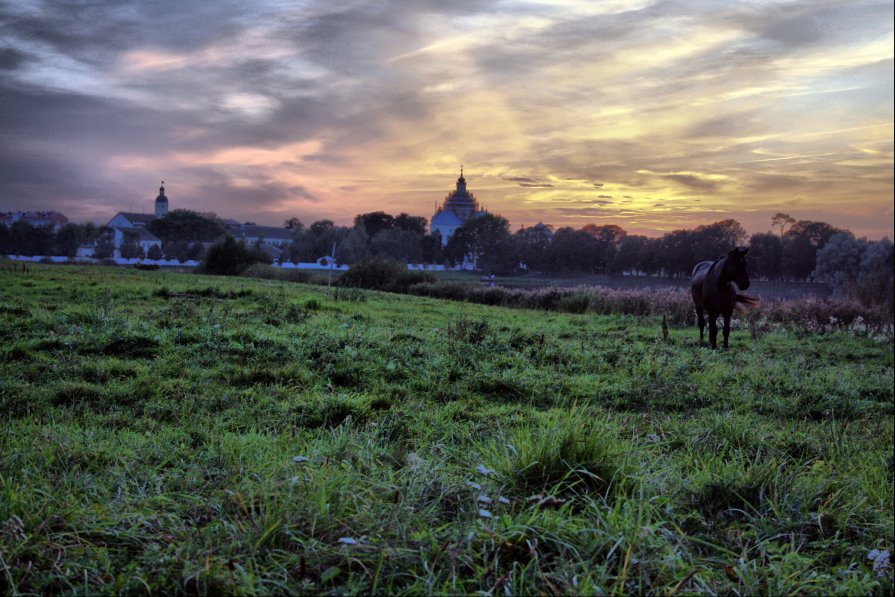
x=735, y=267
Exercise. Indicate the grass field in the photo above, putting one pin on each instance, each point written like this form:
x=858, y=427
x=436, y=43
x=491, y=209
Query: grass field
x=187, y=434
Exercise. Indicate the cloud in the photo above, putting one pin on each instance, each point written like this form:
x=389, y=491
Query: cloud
x=286, y=106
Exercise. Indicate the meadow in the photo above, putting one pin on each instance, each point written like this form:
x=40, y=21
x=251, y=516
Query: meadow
x=178, y=433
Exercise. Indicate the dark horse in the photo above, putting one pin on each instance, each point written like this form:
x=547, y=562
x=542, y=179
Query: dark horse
x=714, y=291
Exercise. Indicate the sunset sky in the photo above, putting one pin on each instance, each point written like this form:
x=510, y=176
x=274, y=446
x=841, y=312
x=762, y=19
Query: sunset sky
x=651, y=115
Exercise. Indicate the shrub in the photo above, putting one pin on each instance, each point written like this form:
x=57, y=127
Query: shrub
x=383, y=274
x=375, y=274
x=229, y=257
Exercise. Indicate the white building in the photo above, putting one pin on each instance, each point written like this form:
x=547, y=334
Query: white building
x=35, y=218
x=134, y=225
x=262, y=235
x=459, y=207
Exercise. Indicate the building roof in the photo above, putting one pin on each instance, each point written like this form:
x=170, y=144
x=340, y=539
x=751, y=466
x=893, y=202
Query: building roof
x=270, y=232
x=141, y=233
x=136, y=218
x=35, y=218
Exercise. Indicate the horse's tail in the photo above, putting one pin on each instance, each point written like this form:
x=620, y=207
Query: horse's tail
x=746, y=300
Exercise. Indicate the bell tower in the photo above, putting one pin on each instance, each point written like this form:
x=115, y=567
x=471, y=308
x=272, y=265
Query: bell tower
x=161, y=202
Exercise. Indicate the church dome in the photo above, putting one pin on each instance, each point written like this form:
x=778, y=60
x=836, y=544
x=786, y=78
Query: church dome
x=446, y=218
x=161, y=195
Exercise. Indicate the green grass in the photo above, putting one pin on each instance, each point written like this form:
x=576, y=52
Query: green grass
x=168, y=432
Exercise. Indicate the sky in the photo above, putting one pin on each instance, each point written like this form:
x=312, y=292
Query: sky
x=652, y=115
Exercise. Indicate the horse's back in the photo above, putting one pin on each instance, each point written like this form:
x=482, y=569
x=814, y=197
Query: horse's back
x=699, y=274
x=700, y=269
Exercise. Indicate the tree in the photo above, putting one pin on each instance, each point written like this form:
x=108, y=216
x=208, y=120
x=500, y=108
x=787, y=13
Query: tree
x=154, y=253
x=609, y=239
x=572, y=251
x=801, y=243
x=178, y=250
x=415, y=224
x=186, y=225
x=353, y=247
x=67, y=240
x=629, y=257
x=486, y=241
x=105, y=243
x=294, y=224
x=397, y=245
x=766, y=255
x=374, y=222
x=196, y=251
x=838, y=262
x=130, y=245
x=715, y=240
x=322, y=228
x=431, y=248
x=782, y=220
x=532, y=244
x=876, y=275
x=229, y=257
x=676, y=253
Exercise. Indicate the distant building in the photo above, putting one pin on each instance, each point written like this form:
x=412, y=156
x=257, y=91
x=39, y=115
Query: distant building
x=459, y=207
x=262, y=235
x=134, y=225
x=161, y=202
x=35, y=218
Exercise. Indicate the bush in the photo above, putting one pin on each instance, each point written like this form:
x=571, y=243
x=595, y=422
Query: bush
x=229, y=257
x=383, y=274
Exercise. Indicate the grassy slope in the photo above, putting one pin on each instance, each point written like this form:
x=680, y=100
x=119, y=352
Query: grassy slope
x=151, y=420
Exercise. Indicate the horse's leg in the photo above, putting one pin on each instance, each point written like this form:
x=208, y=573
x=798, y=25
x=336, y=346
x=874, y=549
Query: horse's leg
x=700, y=318
x=726, y=316
x=713, y=328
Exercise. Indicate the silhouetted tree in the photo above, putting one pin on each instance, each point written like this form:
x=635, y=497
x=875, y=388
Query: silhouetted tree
x=130, y=245
x=374, y=222
x=572, y=251
x=415, y=224
x=609, y=240
x=396, y=244
x=229, y=257
x=105, y=243
x=783, y=221
x=186, y=225
x=431, y=248
x=67, y=240
x=631, y=254
x=532, y=244
x=800, y=246
x=154, y=253
x=765, y=255
x=486, y=241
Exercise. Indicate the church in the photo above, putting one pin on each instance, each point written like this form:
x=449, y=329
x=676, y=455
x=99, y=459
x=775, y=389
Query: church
x=459, y=207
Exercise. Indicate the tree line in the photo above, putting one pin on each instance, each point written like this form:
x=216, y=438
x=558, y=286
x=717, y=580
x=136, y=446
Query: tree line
x=795, y=250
